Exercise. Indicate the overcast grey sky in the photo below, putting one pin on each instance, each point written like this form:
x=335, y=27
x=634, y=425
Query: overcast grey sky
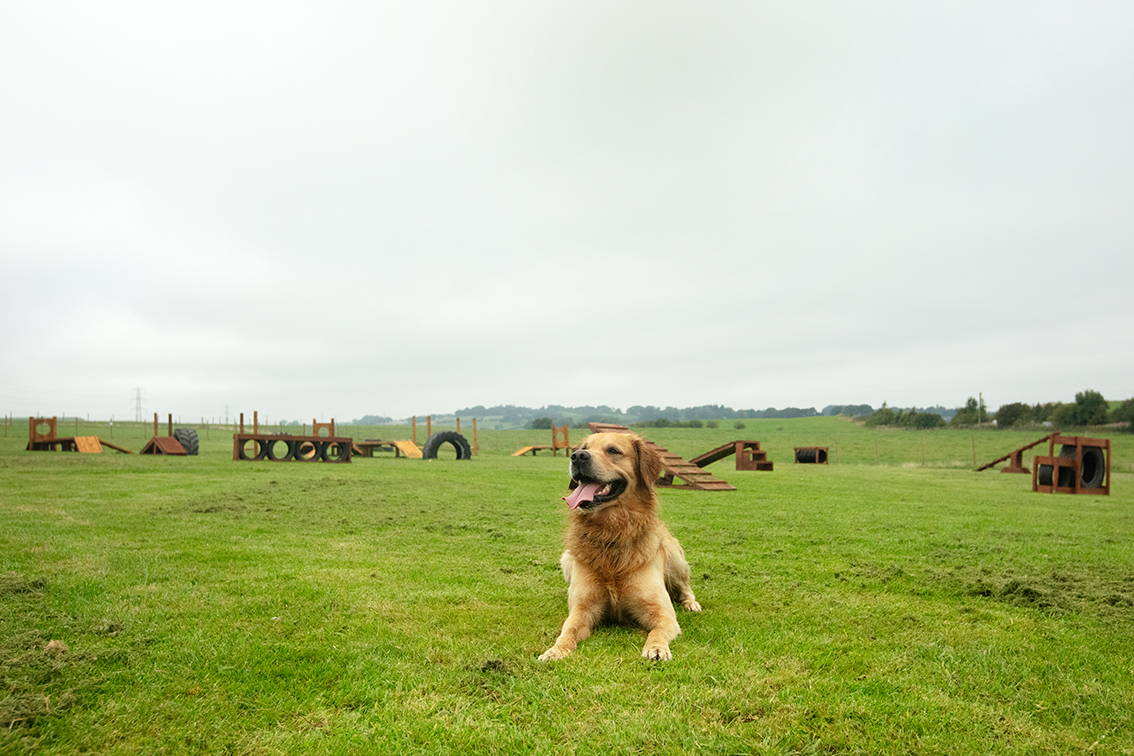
x=343, y=208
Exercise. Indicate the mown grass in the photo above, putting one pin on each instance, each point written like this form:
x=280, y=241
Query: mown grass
x=393, y=605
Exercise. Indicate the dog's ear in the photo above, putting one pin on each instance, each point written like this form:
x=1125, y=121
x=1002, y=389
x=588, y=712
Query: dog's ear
x=649, y=463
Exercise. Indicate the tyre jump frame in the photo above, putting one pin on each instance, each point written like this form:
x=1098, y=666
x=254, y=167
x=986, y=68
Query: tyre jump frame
x=1082, y=467
x=313, y=448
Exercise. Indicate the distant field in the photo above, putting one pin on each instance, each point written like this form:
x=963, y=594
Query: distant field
x=880, y=604
x=849, y=443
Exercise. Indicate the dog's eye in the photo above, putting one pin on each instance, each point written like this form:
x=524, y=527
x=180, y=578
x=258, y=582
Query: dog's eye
x=613, y=450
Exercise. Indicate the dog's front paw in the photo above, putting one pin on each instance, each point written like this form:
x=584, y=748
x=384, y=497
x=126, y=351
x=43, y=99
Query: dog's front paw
x=554, y=653
x=691, y=606
x=657, y=653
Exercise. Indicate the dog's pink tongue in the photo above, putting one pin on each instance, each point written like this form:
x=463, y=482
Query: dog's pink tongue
x=585, y=492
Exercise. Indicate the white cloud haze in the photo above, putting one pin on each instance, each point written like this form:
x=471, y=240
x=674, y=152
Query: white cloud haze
x=345, y=208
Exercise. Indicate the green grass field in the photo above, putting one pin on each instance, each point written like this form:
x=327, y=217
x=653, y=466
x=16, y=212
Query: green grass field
x=891, y=602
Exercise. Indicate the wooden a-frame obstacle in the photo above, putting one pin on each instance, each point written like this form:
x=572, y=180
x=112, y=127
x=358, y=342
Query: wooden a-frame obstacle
x=1016, y=463
x=164, y=444
x=673, y=465
x=50, y=441
x=560, y=439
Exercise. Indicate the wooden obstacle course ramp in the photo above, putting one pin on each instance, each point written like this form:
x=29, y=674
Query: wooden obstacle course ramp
x=560, y=439
x=49, y=441
x=400, y=448
x=1017, y=457
x=674, y=466
x=88, y=444
x=749, y=456
x=164, y=445
x=408, y=449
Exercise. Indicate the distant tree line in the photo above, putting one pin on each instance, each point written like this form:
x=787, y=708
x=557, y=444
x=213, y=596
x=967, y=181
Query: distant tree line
x=512, y=416
x=909, y=418
x=372, y=420
x=1089, y=408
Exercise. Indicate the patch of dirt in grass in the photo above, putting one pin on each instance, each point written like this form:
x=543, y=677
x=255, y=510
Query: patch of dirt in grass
x=1062, y=591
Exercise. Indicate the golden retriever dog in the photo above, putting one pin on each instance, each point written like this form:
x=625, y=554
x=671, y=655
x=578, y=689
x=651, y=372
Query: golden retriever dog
x=621, y=563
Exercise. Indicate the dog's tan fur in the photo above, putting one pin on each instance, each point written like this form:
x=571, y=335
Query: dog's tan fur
x=621, y=562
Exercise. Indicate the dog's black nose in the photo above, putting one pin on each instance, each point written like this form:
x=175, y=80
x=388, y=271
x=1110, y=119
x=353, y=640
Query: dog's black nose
x=582, y=455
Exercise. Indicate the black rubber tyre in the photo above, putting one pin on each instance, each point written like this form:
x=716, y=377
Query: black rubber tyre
x=459, y=442
x=310, y=451
x=1093, y=471
x=289, y=449
x=258, y=453
x=187, y=437
x=805, y=456
x=336, y=452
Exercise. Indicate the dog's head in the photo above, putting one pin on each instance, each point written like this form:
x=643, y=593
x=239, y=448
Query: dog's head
x=607, y=465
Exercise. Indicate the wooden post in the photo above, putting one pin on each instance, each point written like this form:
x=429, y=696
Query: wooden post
x=242, y=422
x=255, y=421
x=475, y=443
x=415, y=430
x=458, y=425
x=428, y=426
x=155, y=425
x=170, y=426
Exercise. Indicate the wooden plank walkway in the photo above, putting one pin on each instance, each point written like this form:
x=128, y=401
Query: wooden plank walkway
x=533, y=449
x=400, y=448
x=1017, y=457
x=675, y=466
